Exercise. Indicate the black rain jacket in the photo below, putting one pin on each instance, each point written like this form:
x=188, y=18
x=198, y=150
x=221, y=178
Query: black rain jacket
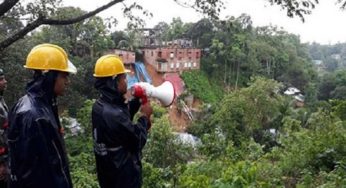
x=36, y=147
x=117, y=141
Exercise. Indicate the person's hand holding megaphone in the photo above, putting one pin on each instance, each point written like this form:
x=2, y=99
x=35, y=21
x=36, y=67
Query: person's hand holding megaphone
x=146, y=110
x=139, y=91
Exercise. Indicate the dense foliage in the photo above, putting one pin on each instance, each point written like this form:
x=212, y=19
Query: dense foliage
x=201, y=87
x=248, y=135
x=238, y=147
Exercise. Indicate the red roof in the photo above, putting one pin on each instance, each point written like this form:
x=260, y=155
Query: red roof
x=177, y=82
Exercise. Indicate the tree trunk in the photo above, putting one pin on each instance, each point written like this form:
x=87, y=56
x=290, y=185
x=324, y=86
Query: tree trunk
x=225, y=74
x=42, y=20
x=237, y=77
x=230, y=75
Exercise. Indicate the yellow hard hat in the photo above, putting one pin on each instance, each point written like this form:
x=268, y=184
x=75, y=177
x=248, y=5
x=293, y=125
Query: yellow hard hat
x=109, y=65
x=49, y=57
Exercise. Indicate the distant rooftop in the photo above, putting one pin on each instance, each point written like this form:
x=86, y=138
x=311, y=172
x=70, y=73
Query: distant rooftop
x=291, y=91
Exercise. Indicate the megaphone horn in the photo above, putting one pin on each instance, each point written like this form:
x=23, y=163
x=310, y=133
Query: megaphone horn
x=165, y=92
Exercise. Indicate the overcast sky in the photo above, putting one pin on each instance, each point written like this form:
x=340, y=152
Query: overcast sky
x=325, y=25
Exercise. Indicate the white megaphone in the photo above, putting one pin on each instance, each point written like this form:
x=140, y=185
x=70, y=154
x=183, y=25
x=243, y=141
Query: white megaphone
x=164, y=92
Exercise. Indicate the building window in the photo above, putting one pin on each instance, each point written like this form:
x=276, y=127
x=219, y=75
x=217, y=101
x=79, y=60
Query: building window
x=180, y=53
x=189, y=64
x=185, y=64
x=195, y=64
x=159, y=54
x=177, y=65
x=152, y=53
x=197, y=55
x=164, y=67
x=172, y=65
x=171, y=55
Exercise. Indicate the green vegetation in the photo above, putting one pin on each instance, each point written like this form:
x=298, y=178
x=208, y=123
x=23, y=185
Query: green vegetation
x=250, y=134
x=199, y=85
x=237, y=148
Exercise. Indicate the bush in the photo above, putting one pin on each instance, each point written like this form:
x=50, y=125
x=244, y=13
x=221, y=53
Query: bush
x=198, y=84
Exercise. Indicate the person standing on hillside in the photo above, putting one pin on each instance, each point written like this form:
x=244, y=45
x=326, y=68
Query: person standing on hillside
x=118, y=142
x=3, y=132
x=36, y=147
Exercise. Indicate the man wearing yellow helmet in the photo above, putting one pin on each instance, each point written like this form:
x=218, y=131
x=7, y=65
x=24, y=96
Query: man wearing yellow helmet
x=36, y=147
x=117, y=141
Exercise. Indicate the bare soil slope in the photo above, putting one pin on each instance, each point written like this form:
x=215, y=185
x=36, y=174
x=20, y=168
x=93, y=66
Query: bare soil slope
x=179, y=120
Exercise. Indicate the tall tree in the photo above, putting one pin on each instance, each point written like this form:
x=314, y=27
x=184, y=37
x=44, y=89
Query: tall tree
x=41, y=12
x=178, y=29
x=162, y=29
x=201, y=33
x=89, y=37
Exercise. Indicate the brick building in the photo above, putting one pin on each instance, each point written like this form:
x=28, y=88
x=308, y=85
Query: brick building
x=172, y=59
x=126, y=56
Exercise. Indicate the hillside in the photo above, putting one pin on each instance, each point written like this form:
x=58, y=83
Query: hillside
x=178, y=119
